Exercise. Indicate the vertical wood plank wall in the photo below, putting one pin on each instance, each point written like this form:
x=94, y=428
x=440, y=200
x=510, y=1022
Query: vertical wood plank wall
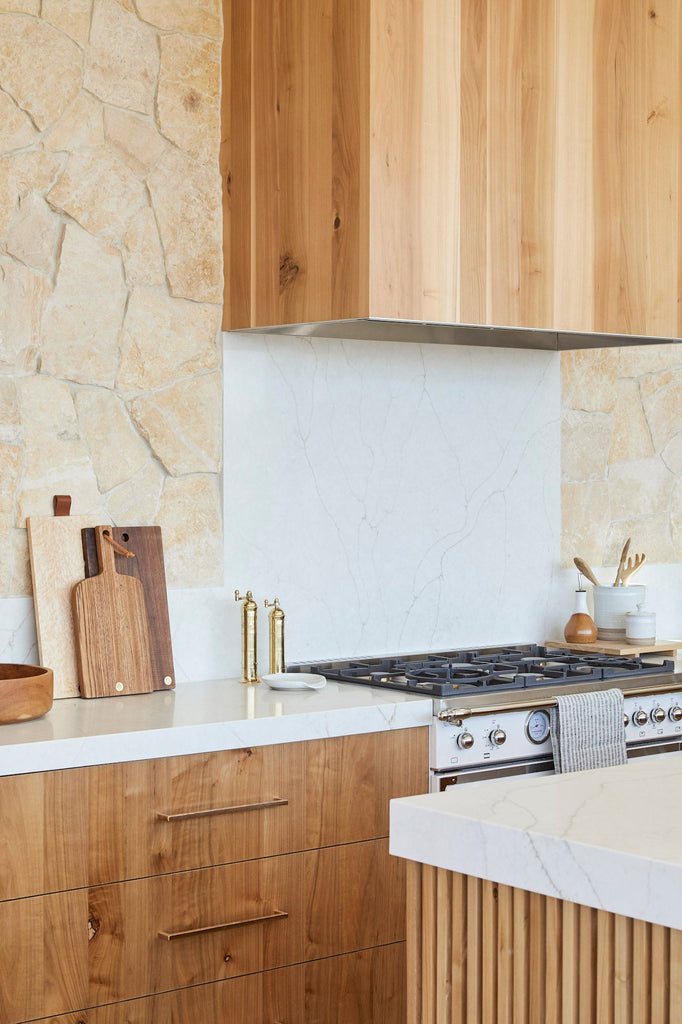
x=483, y=953
x=509, y=162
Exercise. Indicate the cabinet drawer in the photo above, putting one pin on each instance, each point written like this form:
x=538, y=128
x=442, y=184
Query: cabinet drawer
x=366, y=987
x=172, y=931
x=351, y=779
x=178, y=813
x=43, y=839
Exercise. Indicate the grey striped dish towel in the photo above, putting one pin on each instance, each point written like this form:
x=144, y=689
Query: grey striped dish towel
x=587, y=731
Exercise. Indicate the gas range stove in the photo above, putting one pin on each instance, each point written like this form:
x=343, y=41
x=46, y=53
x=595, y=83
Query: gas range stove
x=489, y=670
x=491, y=706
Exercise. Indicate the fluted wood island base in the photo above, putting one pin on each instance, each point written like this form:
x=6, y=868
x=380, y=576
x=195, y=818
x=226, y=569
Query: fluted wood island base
x=483, y=953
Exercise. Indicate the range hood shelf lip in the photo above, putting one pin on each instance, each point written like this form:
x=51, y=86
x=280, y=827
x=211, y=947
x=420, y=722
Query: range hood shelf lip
x=422, y=332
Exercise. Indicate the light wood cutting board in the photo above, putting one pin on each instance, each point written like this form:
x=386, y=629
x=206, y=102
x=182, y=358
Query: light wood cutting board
x=56, y=553
x=112, y=629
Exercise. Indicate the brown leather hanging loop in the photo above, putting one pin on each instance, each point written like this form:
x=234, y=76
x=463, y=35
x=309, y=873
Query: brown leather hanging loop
x=62, y=504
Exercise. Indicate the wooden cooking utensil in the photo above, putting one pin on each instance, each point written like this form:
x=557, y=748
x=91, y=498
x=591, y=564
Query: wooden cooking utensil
x=630, y=568
x=584, y=568
x=618, y=582
x=148, y=567
x=112, y=631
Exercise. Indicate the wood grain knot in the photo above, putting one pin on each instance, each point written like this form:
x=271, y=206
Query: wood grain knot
x=337, y=223
x=288, y=271
x=93, y=928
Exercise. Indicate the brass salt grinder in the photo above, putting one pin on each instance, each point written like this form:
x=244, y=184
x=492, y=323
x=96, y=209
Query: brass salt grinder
x=249, y=637
x=276, y=618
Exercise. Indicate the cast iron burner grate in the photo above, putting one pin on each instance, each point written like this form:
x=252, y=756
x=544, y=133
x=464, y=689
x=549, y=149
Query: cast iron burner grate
x=456, y=673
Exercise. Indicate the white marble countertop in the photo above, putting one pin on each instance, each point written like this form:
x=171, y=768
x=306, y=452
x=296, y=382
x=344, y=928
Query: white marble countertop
x=610, y=838
x=219, y=714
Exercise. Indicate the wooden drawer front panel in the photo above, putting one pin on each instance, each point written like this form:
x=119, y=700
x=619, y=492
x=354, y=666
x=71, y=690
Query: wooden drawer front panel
x=358, y=988
x=225, y=806
x=479, y=951
x=336, y=900
x=43, y=955
x=351, y=779
x=43, y=845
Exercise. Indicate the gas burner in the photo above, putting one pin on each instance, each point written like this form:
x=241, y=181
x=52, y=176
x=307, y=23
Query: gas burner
x=484, y=670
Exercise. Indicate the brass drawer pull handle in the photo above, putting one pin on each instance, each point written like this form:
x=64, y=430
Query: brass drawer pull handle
x=275, y=802
x=221, y=927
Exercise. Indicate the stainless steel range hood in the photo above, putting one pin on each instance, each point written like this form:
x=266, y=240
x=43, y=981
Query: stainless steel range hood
x=377, y=329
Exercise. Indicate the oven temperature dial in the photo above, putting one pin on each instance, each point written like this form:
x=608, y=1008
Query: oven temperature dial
x=537, y=726
x=465, y=740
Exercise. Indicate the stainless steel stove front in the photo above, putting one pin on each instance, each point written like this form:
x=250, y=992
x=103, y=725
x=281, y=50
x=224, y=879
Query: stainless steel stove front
x=490, y=740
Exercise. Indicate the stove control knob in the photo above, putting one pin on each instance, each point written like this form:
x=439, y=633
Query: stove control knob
x=626, y=721
x=498, y=737
x=640, y=718
x=658, y=715
x=465, y=740
x=675, y=714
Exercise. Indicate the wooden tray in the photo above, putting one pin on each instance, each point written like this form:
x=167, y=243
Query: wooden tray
x=618, y=647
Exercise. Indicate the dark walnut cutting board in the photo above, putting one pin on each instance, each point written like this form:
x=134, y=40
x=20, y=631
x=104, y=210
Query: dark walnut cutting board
x=148, y=568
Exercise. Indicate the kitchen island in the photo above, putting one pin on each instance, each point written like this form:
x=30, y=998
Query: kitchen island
x=555, y=899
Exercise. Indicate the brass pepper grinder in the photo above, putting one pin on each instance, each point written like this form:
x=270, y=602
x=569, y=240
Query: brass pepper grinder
x=249, y=637
x=276, y=618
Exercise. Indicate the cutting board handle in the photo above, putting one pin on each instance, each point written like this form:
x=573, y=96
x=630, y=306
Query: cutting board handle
x=105, y=551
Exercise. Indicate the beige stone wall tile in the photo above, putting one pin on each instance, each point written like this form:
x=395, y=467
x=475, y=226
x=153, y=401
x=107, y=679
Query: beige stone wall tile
x=190, y=518
x=56, y=460
x=202, y=17
x=187, y=202
x=80, y=127
x=165, y=339
x=649, y=535
x=189, y=81
x=585, y=440
x=5, y=553
x=586, y=519
x=21, y=6
x=662, y=400
x=16, y=128
x=23, y=295
x=99, y=192
x=71, y=16
x=639, y=488
x=589, y=379
x=672, y=455
x=20, y=574
x=631, y=439
x=35, y=170
x=8, y=196
x=135, y=139
x=136, y=501
x=142, y=253
x=35, y=235
x=117, y=450
x=122, y=61
x=676, y=521
x=84, y=315
x=10, y=418
x=640, y=360
x=59, y=59
x=183, y=424
x=11, y=459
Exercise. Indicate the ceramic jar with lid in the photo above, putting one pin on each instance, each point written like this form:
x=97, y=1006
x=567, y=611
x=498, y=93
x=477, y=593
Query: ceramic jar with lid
x=640, y=627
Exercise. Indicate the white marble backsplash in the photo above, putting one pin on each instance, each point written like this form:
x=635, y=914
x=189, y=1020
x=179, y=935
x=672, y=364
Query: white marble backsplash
x=395, y=497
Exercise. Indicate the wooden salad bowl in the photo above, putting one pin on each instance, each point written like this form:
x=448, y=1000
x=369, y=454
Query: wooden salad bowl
x=26, y=692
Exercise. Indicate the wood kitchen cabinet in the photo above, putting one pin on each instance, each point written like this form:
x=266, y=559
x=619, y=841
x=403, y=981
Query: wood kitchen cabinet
x=476, y=161
x=250, y=885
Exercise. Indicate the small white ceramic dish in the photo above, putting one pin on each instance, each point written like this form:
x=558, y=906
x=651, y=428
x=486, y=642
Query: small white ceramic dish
x=294, y=681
